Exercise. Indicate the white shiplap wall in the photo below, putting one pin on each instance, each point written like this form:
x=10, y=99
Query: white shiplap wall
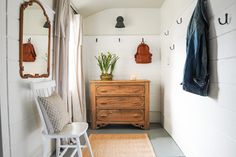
x=126, y=65
x=24, y=127
x=202, y=126
x=3, y=83
x=140, y=23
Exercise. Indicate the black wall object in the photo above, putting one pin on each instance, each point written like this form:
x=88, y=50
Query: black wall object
x=46, y=24
x=120, y=22
x=226, y=20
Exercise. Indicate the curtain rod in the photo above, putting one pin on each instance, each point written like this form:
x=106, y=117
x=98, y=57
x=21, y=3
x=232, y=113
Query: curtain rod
x=74, y=10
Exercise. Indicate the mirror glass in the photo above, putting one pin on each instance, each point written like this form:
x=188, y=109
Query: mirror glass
x=34, y=41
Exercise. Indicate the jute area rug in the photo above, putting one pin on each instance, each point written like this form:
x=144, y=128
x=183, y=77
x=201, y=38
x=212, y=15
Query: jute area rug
x=120, y=145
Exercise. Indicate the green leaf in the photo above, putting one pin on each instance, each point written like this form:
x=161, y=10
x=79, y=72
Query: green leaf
x=106, y=62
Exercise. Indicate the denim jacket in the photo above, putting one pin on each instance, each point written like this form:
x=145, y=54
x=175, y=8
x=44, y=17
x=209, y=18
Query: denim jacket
x=196, y=78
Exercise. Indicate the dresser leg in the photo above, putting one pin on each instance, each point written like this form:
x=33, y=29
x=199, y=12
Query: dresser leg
x=94, y=126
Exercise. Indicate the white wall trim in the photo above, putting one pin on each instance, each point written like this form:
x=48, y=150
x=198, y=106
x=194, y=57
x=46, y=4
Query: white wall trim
x=5, y=128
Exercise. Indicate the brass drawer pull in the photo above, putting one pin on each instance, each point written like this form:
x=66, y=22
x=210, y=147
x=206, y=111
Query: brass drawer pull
x=103, y=103
x=137, y=115
x=103, y=115
x=104, y=91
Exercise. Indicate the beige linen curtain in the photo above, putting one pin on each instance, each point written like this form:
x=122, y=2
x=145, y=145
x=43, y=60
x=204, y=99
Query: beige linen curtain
x=76, y=75
x=67, y=59
x=61, y=47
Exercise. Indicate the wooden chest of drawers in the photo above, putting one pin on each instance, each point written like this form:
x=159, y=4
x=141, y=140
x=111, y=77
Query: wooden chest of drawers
x=120, y=102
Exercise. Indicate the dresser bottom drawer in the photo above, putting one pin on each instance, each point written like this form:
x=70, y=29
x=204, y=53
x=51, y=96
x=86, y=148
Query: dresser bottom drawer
x=120, y=115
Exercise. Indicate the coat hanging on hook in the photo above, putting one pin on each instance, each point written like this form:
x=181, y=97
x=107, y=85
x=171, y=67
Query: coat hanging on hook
x=143, y=55
x=196, y=69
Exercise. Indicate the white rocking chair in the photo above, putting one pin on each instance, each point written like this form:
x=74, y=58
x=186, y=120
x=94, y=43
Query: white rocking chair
x=71, y=131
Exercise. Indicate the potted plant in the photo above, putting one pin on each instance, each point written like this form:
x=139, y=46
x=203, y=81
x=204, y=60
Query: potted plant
x=106, y=63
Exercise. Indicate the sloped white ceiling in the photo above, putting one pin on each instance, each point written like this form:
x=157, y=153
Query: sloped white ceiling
x=88, y=7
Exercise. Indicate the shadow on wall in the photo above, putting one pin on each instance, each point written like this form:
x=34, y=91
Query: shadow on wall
x=213, y=55
x=162, y=91
x=1, y=153
x=35, y=127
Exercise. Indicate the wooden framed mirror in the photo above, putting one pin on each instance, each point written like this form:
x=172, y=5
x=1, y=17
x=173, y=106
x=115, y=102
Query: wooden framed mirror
x=34, y=44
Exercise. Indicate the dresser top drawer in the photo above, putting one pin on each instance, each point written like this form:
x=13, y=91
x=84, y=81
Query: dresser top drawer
x=119, y=81
x=130, y=90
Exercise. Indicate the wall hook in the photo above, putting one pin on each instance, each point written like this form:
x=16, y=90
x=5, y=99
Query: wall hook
x=172, y=48
x=179, y=21
x=96, y=40
x=226, y=20
x=119, y=40
x=29, y=40
x=167, y=33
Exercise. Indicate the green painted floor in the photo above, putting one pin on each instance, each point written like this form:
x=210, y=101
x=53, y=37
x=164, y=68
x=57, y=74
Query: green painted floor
x=163, y=144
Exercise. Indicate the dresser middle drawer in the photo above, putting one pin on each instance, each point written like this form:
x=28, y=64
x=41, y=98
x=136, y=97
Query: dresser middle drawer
x=120, y=102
